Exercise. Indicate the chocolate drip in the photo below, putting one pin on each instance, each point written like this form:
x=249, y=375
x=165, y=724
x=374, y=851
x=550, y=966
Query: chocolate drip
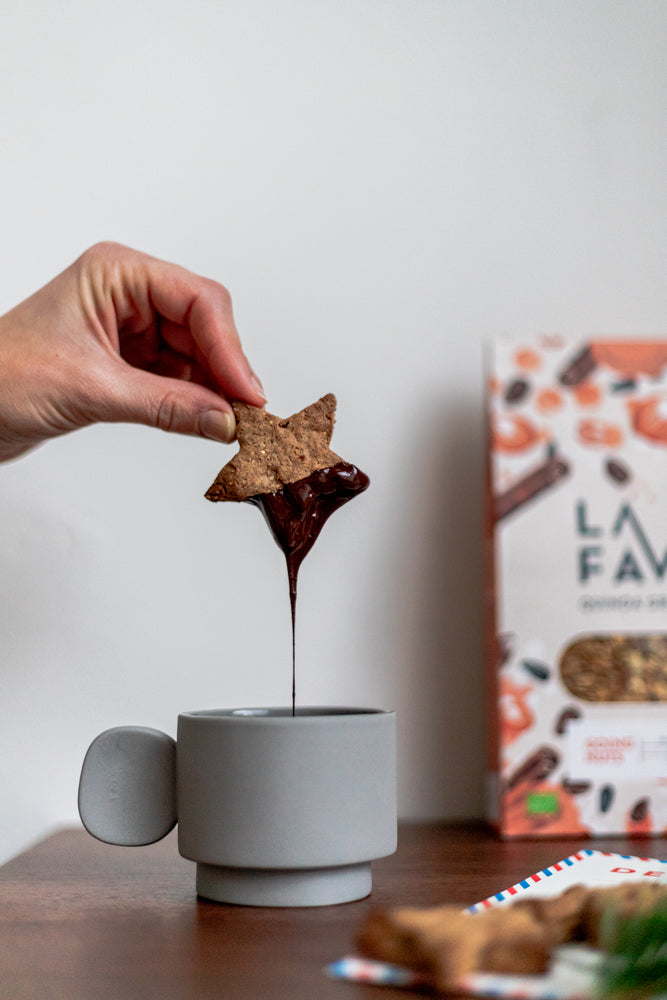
x=297, y=513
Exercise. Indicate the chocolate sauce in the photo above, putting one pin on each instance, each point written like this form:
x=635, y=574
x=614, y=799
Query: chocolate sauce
x=297, y=513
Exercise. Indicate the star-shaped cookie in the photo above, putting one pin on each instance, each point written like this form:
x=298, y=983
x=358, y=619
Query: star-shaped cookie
x=274, y=451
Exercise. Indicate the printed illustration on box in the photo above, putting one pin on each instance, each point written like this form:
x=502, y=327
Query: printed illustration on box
x=577, y=586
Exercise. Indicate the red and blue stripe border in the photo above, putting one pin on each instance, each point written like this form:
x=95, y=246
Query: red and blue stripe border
x=531, y=880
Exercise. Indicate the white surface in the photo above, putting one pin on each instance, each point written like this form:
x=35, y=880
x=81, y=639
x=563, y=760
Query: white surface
x=382, y=186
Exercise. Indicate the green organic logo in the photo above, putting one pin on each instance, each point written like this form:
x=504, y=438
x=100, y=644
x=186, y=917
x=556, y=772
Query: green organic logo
x=542, y=803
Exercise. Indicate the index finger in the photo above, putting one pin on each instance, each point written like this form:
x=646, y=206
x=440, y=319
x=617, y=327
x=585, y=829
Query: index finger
x=205, y=308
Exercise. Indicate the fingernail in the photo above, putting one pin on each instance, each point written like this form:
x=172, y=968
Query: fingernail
x=218, y=425
x=258, y=385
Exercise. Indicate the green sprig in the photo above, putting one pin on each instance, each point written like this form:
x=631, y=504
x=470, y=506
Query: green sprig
x=635, y=967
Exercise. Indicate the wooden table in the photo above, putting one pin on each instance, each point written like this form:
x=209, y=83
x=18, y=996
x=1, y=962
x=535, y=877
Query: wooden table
x=80, y=920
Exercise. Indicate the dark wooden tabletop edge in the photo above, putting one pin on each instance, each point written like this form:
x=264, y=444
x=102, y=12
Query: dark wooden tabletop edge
x=41, y=840
x=472, y=830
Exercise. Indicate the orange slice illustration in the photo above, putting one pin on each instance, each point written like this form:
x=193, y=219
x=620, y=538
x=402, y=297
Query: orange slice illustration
x=599, y=433
x=513, y=433
x=631, y=358
x=515, y=715
x=548, y=400
x=587, y=394
x=649, y=418
x=527, y=359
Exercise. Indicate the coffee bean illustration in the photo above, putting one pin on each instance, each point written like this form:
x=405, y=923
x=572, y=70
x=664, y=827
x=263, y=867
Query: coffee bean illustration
x=639, y=811
x=607, y=793
x=617, y=471
x=538, y=670
x=575, y=787
x=568, y=715
x=516, y=390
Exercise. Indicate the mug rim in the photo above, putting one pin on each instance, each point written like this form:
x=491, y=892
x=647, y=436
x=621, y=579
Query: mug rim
x=269, y=714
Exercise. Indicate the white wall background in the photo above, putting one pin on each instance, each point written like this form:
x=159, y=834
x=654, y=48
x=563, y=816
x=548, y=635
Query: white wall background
x=382, y=185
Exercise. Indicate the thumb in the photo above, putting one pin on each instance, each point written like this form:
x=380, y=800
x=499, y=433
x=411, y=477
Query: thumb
x=169, y=404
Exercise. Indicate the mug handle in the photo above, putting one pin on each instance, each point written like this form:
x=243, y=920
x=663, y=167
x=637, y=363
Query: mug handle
x=127, y=789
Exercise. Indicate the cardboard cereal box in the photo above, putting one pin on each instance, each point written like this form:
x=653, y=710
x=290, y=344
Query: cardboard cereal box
x=577, y=586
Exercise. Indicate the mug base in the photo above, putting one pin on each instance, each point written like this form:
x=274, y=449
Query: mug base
x=291, y=887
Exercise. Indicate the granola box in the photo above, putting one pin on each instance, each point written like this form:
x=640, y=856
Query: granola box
x=576, y=519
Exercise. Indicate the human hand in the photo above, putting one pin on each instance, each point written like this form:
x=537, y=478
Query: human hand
x=121, y=336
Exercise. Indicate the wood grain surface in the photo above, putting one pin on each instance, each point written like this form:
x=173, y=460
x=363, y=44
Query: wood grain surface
x=80, y=920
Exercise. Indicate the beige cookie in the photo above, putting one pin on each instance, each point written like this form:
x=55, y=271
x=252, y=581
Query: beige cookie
x=274, y=451
x=444, y=943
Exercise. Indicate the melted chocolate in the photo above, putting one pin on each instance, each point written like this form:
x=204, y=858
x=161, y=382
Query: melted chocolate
x=297, y=513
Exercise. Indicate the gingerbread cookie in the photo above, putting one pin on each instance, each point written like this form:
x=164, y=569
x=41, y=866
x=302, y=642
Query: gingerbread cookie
x=274, y=452
x=445, y=943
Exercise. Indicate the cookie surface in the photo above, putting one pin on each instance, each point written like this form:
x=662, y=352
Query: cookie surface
x=444, y=944
x=274, y=452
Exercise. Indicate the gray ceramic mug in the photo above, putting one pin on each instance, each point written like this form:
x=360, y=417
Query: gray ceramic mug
x=276, y=809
